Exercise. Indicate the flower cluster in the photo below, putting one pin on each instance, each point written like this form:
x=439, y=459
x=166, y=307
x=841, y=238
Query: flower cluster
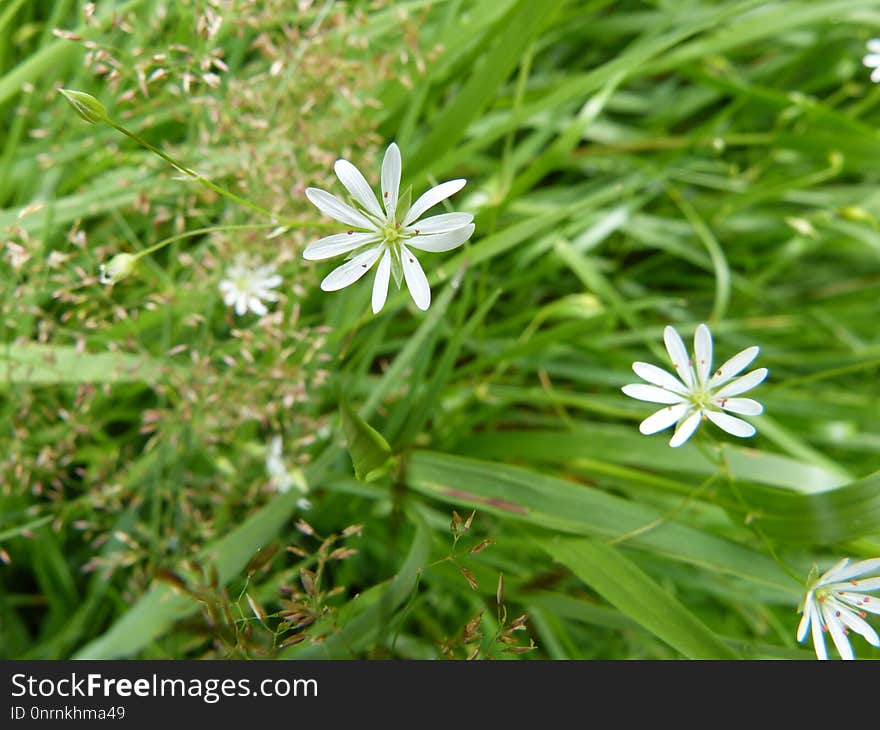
x=247, y=285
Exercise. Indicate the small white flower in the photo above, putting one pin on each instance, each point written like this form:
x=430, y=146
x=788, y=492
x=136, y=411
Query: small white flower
x=246, y=287
x=277, y=470
x=385, y=234
x=836, y=603
x=872, y=60
x=697, y=393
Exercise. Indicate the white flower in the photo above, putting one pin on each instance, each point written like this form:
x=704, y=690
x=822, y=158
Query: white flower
x=872, y=60
x=836, y=603
x=697, y=393
x=387, y=234
x=277, y=470
x=247, y=286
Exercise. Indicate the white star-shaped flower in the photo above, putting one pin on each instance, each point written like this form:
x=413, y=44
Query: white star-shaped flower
x=697, y=393
x=386, y=233
x=247, y=286
x=872, y=60
x=837, y=603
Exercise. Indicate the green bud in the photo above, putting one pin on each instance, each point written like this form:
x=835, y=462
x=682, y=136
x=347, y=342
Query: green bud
x=86, y=105
x=121, y=266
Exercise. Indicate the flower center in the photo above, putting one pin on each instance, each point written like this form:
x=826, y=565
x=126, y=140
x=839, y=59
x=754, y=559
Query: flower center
x=700, y=397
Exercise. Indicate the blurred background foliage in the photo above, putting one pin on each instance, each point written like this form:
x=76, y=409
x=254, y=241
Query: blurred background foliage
x=630, y=165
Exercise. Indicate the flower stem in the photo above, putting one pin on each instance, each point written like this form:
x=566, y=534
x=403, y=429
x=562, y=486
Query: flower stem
x=278, y=220
x=198, y=232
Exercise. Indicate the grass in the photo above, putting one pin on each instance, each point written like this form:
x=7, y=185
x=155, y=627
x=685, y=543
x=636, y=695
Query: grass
x=630, y=165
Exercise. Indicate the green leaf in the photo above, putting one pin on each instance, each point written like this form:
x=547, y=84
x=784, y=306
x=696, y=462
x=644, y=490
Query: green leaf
x=623, y=584
x=521, y=495
x=367, y=447
x=37, y=364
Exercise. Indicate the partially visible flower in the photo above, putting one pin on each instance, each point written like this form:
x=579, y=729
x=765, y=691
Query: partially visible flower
x=281, y=477
x=277, y=470
x=697, y=393
x=837, y=602
x=872, y=60
x=247, y=286
x=120, y=267
x=386, y=234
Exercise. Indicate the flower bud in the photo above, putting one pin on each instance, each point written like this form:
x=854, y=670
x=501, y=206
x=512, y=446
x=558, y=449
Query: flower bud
x=121, y=266
x=86, y=105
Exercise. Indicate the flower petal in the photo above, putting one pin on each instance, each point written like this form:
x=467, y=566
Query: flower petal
x=663, y=418
x=437, y=242
x=741, y=385
x=416, y=281
x=734, y=366
x=380, y=283
x=257, y=307
x=805, y=619
x=338, y=243
x=871, y=60
x=357, y=185
x=391, y=167
x=835, y=628
x=855, y=622
x=743, y=406
x=874, y=45
x=679, y=356
x=734, y=426
x=685, y=429
x=431, y=197
x=351, y=270
x=703, y=353
x=442, y=223
x=333, y=207
x=658, y=376
x=818, y=638
x=875, y=75
x=844, y=570
x=651, y=393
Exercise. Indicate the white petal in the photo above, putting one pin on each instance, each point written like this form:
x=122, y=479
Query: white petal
x=271, y=282
x=861, y=602
x=241, y=305
x=658, y=376
x=835, y=628
x=844, y=570
x=357, y=185
x=685, y=429
x=872, y=60
x=332, y=206
x=679, y=356
x=859, y=625
x=257, y=307
x=741, y=385
x=430, y=198
x=380, y=284
x=734, y=366
x=703, y=353
x=744, y=406
x=438, y=242
x=832, y=574
x=818, y=637
x=875, y=75
x=391, y=167
x=651, y=393
x=874, y=45
x=352, y=270
x=338, y=243
x=805, y=621
x=733, y=426
x=416, y=281
x=863, y=585
x=663, y=418
x=442, y=223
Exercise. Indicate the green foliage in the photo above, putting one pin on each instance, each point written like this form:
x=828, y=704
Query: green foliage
x=629, y=164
